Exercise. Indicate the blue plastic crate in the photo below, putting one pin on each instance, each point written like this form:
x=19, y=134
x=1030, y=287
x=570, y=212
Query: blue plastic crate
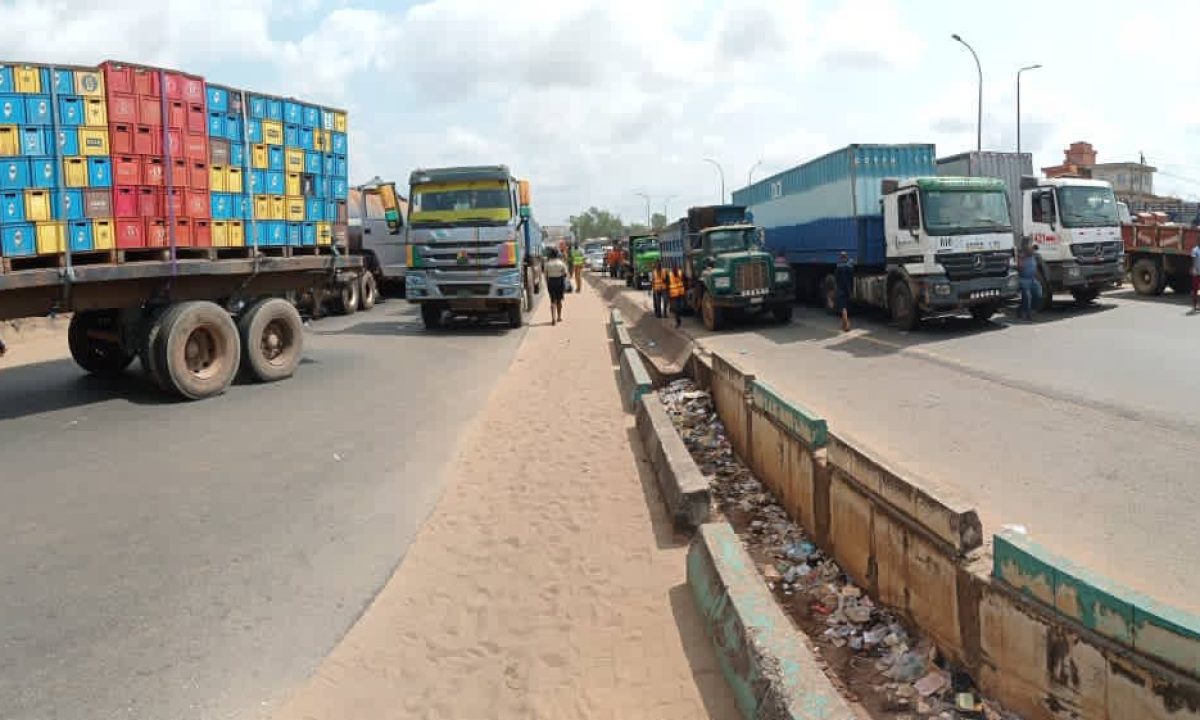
x=254, y=131
x=340, y=166
x=330, y=211
x=12, y=109
x=68, y=142
x=309, y=234
x=326, y=119
x=6, y=79
x=221, y=206
x=257, y=180
x=339, y=143
x=275, y=183
x=12, y=206
x=216, y=124
x=271, y=233
x=293, y=113
x=291, y=136
x=80, y=233
x=274, y=109
x=306, y=138
x=70, y=110
x=314, y=209
x=312, y=163
x=14, y=173
x=17, y=240
x=35, y=140
x=328, y=163
x=39, y=110
x=237, y=154
x=258, y=107
x=243, y=207
x=63, y=81
x=340, y=188
x=218, y=99
x=311, y=117
x=233, y=126
x=43, y=172
x=275, y=158
x=100, y=172
x=67, y=205
x=295, y=234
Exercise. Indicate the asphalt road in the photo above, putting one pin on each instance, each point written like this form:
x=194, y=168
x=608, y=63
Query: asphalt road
x=1082, y=426
x=197, y=560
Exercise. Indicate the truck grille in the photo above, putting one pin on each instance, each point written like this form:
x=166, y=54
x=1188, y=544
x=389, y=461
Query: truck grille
x=1096, y=253
x=752, y=277
x=964, y=266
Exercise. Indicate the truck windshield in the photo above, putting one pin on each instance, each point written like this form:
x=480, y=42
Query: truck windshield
x=487, y=201
x=645, y=245
x=959, y=212
x=1087, y=206
x=731, y=240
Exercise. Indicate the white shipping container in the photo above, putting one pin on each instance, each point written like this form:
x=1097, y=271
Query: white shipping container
x=1009, y=167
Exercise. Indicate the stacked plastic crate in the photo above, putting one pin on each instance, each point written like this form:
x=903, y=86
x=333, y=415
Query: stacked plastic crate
x=161, y=177
x=55, y=169
x=228, y=184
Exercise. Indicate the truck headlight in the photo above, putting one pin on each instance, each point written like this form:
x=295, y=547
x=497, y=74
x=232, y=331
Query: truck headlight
x=722, y=282
x=1073, y=271
x=941, y=289
x=782, y=277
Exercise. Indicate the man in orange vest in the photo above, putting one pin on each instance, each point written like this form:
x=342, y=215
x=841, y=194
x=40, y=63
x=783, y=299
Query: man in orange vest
x=658, y=285
x=676, y=291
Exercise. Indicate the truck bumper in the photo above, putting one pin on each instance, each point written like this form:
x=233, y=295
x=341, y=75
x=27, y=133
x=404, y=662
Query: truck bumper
x=751, y=302
x=964, y=294
x=1071, y=275
x=465, y=291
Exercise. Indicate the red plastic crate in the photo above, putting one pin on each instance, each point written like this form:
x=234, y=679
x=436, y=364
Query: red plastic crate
x=156, y=232
x=201, y=233
x=179, y=173
x=188, y=88
x=149, y=202
x=183, y=232
x=196, y=204
x=127, y=170
x=175, y=143
x=177, y=115
x=120, y=139
x=195, y=147
x=174, y=202
x=146, y=140
x=152, y=171
x=197, y=119
x=149, y=111
x=145, y=82
x=131, y=233
x=117, y=78
x=125, y=201
x=122, y=108
x=198, y=175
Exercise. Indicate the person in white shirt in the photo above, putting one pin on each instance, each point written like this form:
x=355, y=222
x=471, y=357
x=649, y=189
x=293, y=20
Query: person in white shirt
x=556, y=272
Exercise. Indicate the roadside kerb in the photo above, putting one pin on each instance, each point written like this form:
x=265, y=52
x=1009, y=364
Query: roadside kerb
x=684, y=488
x=635, y=380
x=731, y=397
x=766, y=661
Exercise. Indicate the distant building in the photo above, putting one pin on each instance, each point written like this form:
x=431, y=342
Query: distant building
x=1132, y=182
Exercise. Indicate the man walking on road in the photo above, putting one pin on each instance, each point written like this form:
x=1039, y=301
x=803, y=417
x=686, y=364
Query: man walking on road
x=675, y=290
x=843, y=277
x=658, y=285
x=577, y=267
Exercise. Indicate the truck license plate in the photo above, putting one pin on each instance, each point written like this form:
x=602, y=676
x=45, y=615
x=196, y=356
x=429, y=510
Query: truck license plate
x=756, y=301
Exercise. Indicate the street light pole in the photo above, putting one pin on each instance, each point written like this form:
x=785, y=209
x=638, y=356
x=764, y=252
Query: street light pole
x=645, y=197
x=1027, y=67
x=667, y=200
x=720, y=170
x=750, y=175
x=979, y=108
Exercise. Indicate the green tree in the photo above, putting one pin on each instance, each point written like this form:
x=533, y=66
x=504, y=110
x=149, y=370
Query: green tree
x=658, y=221
x=594, y=223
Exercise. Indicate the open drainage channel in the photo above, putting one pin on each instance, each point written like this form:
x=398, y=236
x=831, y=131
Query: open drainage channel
x=870, y=655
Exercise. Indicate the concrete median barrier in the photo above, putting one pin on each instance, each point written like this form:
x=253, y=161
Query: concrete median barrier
x=635, y=380
x=730, y=388
x=684, y=488
x=765, y=660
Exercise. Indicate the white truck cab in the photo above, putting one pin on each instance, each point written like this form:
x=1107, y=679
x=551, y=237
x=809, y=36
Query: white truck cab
x=1075, y=226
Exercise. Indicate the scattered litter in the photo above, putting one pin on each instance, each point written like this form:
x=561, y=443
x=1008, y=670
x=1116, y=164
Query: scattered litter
x=337, y=457
x=934, y=682
x=1018, y=529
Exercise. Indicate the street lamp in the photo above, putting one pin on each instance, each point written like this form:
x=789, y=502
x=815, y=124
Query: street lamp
x=720, y=170
x=1027, y=67
x=750, y=174
x=667, y=200
x=979, y=110
x=645, y=197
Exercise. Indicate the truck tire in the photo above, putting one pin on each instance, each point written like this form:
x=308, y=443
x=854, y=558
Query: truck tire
x=347, y=298
x=431, y=315
x=904, y=310
x=1085, y=296
x=97, y=356
x=148, y=353
x=1147, y=277
x=782, y=313
x=516, y=317
x=197, y=350
x=368, y=292
x=272, y=339
x=983, y=313
x=712, y=315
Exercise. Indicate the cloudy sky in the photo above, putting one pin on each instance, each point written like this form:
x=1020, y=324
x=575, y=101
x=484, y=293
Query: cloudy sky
x=596, y=100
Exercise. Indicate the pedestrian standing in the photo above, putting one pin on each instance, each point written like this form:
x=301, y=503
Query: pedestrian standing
x=577, y=268
x=843, y=280
x=658, y=286
x=1195, y=277
x=3, y=347
x=1027, y=278
x=675, y=290
x=556, y=283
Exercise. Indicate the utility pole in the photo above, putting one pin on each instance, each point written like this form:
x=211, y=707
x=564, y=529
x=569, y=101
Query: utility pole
x=1027, y=67
x=645, y=197
x=979, y=107
x=720, y=170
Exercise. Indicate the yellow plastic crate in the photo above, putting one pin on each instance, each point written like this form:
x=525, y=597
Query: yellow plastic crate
x=237, y=233
x=94, y=112
x=27, y=79
x=278, y=208
x=259, y=159
x=293, y=160
x=50, y=236
x=291, y=184
x=75, y=172
x=37, y=205
x=234, y=180
x=324, y=233
x=295, y=209
x=93, y=140
x=339, y=122
x=272, y=132
x=104, y=234
x=89, y=83
x=220, y=233
x=10, y=140
x=262, y=207
x=322, y=140
x=216, y=178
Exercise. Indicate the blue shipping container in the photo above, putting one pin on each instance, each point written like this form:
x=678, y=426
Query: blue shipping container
x=43, y=172
x=218, y=99
x=67, y=204
x=64, y=82
x=14, y=173
x=830, y=205
x=70, y=110
x=38, y=110
x=12, y=207
x=99, y=172
x=17, y=240
x=12, y=109
x=81, y=235
x=68, y=142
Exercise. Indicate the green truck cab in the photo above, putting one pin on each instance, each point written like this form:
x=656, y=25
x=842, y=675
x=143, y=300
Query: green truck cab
x=729, y=273
x=643, y=256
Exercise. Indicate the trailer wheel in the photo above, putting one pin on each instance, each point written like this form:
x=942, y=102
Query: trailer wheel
x=711, y=314
x=197, y=350
x=1147, y=277
x=97, y=356
x=1085, y=296
x=904, y=311
x=347, y=298
x=516, y=317
x=272, y=339
x=431, y=315
x=368, y=293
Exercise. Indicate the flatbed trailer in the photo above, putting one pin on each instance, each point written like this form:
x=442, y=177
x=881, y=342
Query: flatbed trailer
x=194, y=323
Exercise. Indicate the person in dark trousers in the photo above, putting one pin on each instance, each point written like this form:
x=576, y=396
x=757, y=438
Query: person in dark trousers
x=556, y=272
x=1027, y=277
x=843, y=277
x=675, y=288
x=3, y=347
x=658, y=285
